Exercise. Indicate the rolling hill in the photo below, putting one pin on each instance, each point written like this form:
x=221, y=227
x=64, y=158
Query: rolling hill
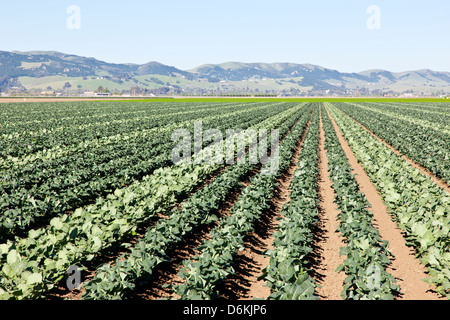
x=38, y=70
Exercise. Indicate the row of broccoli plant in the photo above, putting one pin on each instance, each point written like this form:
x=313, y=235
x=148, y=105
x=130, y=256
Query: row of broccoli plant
x=419, y=206
x=32, y=194
x=115, y=281
x=288, y=275
x=367, y=255
x=32, y=266
x=204, y=273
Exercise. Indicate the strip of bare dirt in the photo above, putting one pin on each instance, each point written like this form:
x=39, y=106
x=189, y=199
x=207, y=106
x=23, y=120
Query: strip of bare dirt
x=327, y=241
x=244, y=284
x=408, y=271
x=441, y=183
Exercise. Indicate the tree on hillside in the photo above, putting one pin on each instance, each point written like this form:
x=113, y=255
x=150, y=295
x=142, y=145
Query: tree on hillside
x=67, y=86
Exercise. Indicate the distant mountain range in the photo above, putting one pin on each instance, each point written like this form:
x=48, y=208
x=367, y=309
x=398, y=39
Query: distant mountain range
x=39, y=70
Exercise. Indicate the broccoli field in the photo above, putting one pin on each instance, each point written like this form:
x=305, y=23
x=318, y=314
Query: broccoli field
x=93, y=206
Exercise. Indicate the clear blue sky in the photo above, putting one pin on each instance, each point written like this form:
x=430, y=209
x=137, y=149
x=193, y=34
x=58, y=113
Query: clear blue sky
x=185, y=34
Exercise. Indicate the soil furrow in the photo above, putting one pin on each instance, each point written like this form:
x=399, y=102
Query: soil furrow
x=408, y=271
x=244, y=284
x=328, y=241
x=166, y=275
x=60, y=291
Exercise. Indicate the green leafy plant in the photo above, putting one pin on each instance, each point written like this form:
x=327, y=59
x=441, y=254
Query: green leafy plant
x=364, y=250
x=417, y=204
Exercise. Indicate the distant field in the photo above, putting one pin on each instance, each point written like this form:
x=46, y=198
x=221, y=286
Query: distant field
x=238, y=99
x=223, y=99
x=310, y=100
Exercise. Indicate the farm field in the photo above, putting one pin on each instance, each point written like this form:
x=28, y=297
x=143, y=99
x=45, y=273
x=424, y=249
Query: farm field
x=358, y=207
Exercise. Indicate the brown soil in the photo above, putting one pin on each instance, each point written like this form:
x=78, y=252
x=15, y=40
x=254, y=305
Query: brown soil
x=244, y=285
x=408, y=271
x=328, y=240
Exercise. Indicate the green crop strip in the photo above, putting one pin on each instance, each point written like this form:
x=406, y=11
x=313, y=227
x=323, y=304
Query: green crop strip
x=366, y=253
x=79, y=237
x=427, y=146
x=418, y=205
x=115, y=281
x=48, y=189
x=103, y=135
x=424, y=115
x=41, y=134
x=205, y=272
x=288, y=275
x=297, y=100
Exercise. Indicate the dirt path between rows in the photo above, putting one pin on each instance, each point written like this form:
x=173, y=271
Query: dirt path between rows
x=408, y=271
x=328, y=240
x=257, y=288
x=422, y=169
x=251, y=261
x=167, y=273
x=165, y=277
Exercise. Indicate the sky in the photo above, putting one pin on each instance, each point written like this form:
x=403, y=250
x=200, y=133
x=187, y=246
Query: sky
x=345, y=35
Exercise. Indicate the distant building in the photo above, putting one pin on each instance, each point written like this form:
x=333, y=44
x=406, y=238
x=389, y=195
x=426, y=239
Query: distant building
x=408, y=95
x=96, y=94
x=48, y=93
